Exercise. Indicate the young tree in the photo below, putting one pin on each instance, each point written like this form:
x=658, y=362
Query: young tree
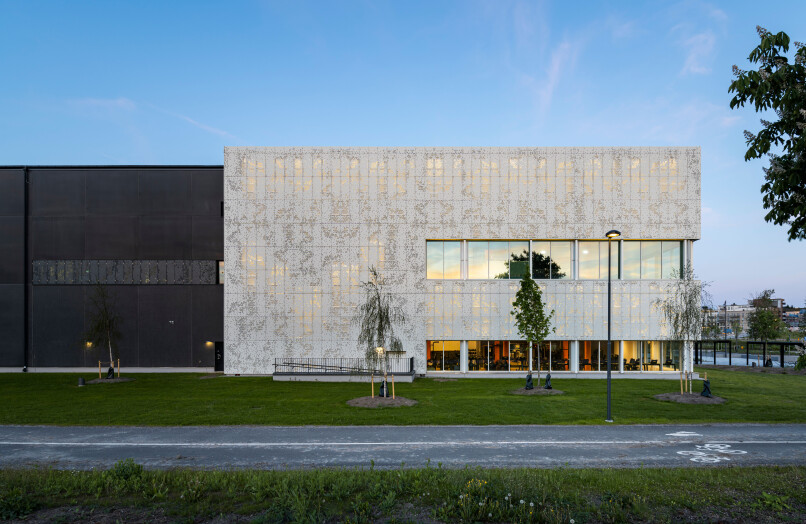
x=780, y=86
x=530, y=316
x=736, y=327
x=376, y=319
x=683, y=310
x=104, y=322
x=764, y=323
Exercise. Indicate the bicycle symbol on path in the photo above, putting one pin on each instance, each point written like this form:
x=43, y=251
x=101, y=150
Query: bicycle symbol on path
x=711, y=453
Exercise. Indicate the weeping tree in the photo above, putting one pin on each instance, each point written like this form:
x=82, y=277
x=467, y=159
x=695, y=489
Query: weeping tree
x=104, y=322
x=376, y=319
x=531, y=319
x=682, y=308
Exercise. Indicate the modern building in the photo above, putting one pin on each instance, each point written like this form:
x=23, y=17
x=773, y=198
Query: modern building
x=452, y=230
x=153, y=235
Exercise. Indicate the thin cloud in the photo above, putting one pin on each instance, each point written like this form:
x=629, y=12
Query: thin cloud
x=196, y=123
x=105, y=104
x=699, y=50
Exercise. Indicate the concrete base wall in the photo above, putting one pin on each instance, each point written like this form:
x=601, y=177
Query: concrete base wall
x=337, y=378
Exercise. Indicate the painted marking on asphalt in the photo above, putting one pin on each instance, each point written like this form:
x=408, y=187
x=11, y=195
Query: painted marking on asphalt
x=684, y=434
x=387, y=443
x=710, y=453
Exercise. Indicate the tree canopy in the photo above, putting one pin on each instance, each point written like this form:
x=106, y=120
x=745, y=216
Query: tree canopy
x=778, y=85
x=376, y=319
x=764, y=323
x=104, y=322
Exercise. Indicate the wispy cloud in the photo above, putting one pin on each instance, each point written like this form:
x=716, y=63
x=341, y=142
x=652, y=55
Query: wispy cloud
x=195, y=123
x=699, y=51
x=104, y=104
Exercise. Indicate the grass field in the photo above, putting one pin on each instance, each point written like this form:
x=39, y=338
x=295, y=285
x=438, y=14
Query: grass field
x=128, y=493
x=185, y=399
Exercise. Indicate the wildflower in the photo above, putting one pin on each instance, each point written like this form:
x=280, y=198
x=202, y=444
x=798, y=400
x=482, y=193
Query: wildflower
x=481, y=503
x=489, y=515
x=461, y=497
x=506, y=498
x=531, y=504
x=572, y=521
x=509, y=494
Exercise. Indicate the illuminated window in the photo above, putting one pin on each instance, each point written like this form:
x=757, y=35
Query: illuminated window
x=220, y=271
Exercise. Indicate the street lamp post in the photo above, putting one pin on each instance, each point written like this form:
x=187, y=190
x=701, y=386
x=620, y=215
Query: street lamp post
x=610, y=236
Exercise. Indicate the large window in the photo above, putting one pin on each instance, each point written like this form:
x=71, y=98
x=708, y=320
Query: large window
x=554, y=259
x=442, y=355
x=551, y=259
x=652, y=259
x=593, y=355
x=443, y=259
x=497, y=259
x=593, y=260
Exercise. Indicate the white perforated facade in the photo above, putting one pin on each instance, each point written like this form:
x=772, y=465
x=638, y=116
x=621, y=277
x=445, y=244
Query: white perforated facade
x=302, y=226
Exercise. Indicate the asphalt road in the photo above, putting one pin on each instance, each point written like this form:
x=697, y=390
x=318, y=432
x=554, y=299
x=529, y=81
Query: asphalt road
x=390, y=446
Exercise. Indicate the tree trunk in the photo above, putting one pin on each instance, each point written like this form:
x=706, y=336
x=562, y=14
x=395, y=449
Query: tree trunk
x=109, y=341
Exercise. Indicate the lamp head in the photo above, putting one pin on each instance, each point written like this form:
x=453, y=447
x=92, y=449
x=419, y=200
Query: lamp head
x=613, y=234
x=379, y=350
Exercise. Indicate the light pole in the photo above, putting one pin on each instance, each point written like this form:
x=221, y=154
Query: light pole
x=610, y=236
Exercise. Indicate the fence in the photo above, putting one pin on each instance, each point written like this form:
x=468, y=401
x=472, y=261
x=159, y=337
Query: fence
x=341, y=366
x=727, y=346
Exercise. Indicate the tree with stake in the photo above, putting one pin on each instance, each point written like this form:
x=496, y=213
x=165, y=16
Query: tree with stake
x=376, y=319
x=530, y=316
x=683, y=309
x=104, y=323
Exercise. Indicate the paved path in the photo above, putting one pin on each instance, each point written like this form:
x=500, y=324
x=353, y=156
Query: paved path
x=389, y=446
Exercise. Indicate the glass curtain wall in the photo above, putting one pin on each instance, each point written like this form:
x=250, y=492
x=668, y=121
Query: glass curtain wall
x=593, y=260
x=593, y=355
x=442, y=355
x=443, y=259
x=553, y=356
x=551, y=259
x=652, y=259
x=631, y=357
x=497, y=259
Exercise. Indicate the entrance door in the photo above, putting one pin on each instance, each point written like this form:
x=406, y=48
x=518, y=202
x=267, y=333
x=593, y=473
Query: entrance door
x=219, y=356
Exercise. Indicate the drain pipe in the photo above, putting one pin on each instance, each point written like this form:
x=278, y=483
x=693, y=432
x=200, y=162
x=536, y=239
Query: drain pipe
x=27, y=278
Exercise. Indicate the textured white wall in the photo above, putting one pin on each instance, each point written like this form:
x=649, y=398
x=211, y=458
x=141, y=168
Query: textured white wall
x=302, y=226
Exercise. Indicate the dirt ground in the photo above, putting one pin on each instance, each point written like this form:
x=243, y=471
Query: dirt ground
x=536, y=391
x=381, y=402
x=689, y=398
x=110, y=380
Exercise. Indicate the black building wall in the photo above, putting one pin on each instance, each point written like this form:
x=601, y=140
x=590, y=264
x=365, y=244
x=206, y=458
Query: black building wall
x=12, y=266
x=145, y=232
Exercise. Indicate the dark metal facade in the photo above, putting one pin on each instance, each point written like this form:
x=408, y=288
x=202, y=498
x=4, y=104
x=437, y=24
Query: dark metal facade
x=152, y=234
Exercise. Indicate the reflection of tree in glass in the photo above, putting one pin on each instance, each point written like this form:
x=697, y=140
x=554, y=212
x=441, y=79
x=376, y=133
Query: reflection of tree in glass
x=542, y=267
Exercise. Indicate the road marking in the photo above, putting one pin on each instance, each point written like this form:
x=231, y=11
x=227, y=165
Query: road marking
x=710, y=453
x=386, y=443
x=684, y=434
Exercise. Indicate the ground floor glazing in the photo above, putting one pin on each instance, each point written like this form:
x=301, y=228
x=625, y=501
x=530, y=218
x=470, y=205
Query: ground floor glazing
x=577, y=356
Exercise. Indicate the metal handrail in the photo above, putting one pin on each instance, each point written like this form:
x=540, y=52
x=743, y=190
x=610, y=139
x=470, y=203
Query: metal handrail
x=340, y=366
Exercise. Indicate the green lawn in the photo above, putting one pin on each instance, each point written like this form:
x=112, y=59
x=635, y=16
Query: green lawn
x=126, y=492
x=185, y=399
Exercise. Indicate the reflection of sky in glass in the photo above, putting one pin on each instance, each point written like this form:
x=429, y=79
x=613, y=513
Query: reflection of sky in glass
x=477, y=257
x=561, y=255
x=671, y=259
x=631, y=260
x=499, y=255
x=452, y=260
x=613, y=260
x=589, y=260
x=433, y=259
x=650, y=260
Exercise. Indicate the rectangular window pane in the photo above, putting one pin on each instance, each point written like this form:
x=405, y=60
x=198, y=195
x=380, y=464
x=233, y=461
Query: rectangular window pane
x=613, y=260
x=561, y=260
x=452, y=260
x=451, y=353
x=671, y=259
x=631, y=261
x=499, y=259
x=433, y=259
x=477, y=259
x=518, y=259
x=650, y=260
x=541, y=259
x=589, y=260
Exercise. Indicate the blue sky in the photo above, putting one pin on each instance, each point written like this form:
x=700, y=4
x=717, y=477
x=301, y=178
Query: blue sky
x=174, y=82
